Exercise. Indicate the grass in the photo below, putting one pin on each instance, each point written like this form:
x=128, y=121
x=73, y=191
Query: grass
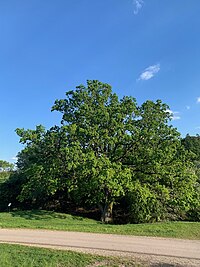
x=16, y=255
x=41, y=219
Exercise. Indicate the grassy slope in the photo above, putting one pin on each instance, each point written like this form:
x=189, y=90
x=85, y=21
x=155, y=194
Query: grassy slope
x=15, y=255
x=59, y=221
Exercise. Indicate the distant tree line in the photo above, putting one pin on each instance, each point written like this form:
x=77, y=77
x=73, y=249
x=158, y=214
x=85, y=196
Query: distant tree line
x=6, y=166
x=111, y=154
x=6, y=169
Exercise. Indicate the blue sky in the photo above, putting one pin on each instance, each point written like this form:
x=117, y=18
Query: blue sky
x=149, y=49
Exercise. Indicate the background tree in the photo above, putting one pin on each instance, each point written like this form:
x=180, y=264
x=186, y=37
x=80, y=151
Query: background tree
x=192, y=145
x=6, y=172
x=6, y=166
x=159, y=165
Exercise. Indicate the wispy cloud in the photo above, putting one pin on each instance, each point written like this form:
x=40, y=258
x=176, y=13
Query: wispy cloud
x=14, y=158
x=187, y=107
x=149, y=72
x=198, y=99
x=176, y=117
x=137, y=5
x=175, y=114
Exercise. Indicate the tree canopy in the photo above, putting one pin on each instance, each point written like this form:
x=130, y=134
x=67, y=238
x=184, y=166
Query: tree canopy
x=106, y=149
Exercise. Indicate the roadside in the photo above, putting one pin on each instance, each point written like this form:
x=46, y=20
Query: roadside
x=156, y=251
x=128, y=259
x=41, y=219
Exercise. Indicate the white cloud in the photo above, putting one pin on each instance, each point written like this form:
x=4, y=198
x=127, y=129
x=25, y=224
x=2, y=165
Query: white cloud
x=198, y=99
x=175, y=114
x=137, y=5
x=187, y=107
x=149, y=72
x=176, y=118
x=14, y=158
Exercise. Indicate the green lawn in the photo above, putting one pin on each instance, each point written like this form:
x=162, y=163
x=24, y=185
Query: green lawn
x=59, y=221
x=16, y=255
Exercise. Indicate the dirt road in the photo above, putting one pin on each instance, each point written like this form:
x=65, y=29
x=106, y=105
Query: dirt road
x=166, y=247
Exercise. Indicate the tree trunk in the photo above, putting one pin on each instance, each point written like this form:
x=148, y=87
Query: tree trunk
x=106, y=212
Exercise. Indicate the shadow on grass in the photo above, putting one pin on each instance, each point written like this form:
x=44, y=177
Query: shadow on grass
x=46, y=215
x=38, y=215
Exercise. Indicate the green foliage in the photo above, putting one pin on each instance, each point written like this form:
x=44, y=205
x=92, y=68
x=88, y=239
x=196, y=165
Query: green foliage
x=10, y=190
x=6, y=166
x=107, y=148
x=4, y=176
x=192, y=143
x=144, y=206
x=43, y=162
x=7, y=192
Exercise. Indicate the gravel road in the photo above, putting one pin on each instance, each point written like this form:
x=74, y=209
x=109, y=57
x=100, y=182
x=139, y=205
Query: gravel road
x=186, y=251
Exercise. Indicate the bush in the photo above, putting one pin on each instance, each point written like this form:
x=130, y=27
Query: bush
x=144, y=205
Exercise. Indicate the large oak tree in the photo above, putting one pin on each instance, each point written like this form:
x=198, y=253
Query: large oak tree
x=106, y=148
